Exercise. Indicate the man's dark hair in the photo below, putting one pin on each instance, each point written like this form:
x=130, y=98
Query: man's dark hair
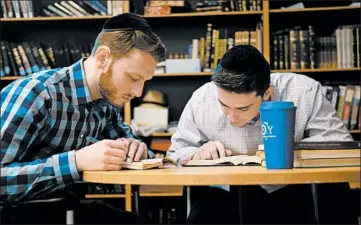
x=243, y=69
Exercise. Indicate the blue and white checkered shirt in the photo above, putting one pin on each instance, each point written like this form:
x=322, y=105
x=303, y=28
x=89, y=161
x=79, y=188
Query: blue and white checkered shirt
x=45, y=117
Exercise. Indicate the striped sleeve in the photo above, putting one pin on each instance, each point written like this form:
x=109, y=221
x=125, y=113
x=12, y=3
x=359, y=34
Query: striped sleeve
x=23, y=115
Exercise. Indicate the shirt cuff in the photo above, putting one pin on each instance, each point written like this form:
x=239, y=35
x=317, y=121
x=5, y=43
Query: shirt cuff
x=65, y=168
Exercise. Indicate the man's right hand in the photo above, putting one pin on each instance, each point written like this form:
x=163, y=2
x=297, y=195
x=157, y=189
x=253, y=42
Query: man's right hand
x=103, y=155
x=212, y=150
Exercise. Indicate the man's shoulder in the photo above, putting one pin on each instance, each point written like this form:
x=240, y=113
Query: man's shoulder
x=36, y=83
x=292, y=80
x=204, y=93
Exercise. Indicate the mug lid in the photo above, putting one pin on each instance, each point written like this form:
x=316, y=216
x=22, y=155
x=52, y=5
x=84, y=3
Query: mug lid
x=277, y=105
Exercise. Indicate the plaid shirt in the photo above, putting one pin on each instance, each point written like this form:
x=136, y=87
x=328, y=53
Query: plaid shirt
x=45, y=117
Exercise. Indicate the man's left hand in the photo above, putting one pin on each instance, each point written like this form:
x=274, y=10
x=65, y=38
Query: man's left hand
x=137, y=150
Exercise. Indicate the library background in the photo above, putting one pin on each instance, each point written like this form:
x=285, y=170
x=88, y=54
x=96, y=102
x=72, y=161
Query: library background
x=320, y=39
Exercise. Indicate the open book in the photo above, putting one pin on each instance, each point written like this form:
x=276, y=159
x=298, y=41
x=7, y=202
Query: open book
x=237, y=160
x=148, y=164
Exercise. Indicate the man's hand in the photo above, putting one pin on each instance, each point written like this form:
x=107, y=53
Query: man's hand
x=212, y=150
x=135, y=149
x=103, y=155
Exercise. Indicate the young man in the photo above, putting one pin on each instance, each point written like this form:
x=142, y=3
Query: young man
x=46, y=118
x=222, y=119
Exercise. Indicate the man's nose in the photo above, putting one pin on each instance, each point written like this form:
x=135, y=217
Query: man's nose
x=138, y=89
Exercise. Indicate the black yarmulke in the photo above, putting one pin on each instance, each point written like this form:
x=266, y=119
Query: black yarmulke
x=126, y=21
x=241, y=58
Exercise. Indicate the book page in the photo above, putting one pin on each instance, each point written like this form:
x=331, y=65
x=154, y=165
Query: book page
x=233, y=160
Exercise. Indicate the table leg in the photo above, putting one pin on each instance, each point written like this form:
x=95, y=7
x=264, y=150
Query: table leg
x=241, y=204
x=315, y=201
x=136, y=201
x=188, y=193
x=239, y=193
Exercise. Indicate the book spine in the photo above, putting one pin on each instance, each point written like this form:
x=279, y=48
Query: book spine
x=287, y=51
x=341, y=100
x=25, y=59
x=34, y=66
x=281, y=59
x=275, y=52
x=9, y=9
x=16, y=7
x=327, y=145
x=14, y=69
x=4, y=9
x=36, y=55
x=312, y=47
x=5, y=59
x=347, y=105
x=18, y=60
x=355, y=106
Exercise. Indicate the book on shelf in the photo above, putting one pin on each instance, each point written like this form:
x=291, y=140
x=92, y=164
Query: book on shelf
x=300, y=48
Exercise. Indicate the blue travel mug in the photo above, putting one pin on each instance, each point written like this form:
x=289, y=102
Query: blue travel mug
x=278, y=128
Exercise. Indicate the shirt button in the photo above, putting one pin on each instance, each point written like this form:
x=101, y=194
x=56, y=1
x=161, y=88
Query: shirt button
x=82, y=135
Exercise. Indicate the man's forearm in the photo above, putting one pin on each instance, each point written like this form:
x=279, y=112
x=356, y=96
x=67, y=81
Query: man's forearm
x=20, y=181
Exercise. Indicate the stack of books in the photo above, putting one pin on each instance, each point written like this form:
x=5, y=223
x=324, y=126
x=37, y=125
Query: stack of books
x=323, y=154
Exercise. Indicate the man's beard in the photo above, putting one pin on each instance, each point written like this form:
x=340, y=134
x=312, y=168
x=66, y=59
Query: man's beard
x=107, y=88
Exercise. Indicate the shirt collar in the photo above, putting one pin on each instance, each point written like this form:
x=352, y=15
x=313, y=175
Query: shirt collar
x=77, y=76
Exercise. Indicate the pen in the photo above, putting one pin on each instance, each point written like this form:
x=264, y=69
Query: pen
x=94, y=140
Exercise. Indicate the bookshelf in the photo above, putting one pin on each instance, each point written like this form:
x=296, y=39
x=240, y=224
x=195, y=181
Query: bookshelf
x=11, y=78
x=271, y=17
x=314, y=9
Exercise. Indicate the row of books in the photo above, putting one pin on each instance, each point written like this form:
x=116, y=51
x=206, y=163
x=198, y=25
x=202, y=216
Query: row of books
x=21, y=59
x=217, y=41
x=346, y=100
x=323, y=154
x=299, y=48
x=83, y=8
x=17, y=9
x=228, y=5
x=25, y=8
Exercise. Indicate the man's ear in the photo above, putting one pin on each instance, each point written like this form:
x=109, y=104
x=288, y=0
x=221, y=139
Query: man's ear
x=103, y=58
x=268, y=93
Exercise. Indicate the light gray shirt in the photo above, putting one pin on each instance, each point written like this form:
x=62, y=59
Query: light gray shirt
x=203, y=120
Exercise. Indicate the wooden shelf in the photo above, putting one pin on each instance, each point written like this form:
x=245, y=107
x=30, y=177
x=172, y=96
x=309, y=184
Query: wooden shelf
x=317, y=70
x=105, y=196
x=197, y=14
x=54, y=18
x=162, y=134
x=11, y=77
x=183, y=74
x=355, y=131
x=335, y=8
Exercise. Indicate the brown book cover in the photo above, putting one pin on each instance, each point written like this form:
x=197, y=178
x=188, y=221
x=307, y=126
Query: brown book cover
x=350, y=90
x=24, y=59
x=18, y=59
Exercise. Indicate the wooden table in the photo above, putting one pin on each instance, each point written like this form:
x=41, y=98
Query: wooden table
x=225, y=175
